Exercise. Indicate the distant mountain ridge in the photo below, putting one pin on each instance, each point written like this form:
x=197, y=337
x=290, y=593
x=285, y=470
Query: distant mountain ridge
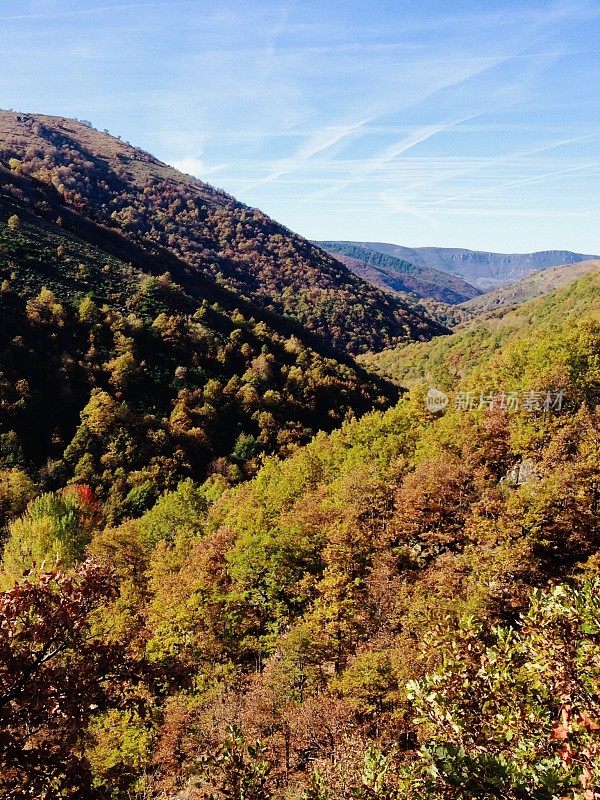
x=482, y=269
x=391, y=273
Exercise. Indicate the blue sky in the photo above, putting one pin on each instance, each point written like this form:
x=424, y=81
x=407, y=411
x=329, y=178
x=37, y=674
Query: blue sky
x=468, y=124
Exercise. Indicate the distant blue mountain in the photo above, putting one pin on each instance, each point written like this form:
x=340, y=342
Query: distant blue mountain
x=479, y=268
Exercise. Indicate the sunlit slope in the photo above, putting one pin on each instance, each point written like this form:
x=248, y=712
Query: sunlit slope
x=62, y=165
x=537, y=284
x=484, y=342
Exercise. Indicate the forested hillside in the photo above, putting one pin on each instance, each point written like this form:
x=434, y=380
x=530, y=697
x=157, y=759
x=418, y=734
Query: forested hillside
x=67, y=171
x=406, y=607
x=119, y=378
x=469, y=350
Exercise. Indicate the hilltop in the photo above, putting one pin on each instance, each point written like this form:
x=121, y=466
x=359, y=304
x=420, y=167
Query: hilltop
x=66, y=170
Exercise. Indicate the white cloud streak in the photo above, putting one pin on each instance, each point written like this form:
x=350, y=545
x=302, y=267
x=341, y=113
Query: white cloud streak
x=317, y=143
x=83, y=12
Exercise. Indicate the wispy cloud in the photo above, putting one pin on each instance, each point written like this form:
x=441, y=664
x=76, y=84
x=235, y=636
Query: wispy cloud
x=470, y=168
x=503, y=93
x=397, y=149
x=375, y=120
x=513, y=184
x=84, y=12
x=317, y=143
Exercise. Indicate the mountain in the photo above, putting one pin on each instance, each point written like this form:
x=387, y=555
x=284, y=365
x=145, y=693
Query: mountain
x=484, y=341
x=394, y=274
x=536, y=284
x=481, y=269
x=235, y=562
x=99, y=186
x=113, y=373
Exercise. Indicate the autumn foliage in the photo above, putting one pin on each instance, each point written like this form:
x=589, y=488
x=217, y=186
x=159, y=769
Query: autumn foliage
x=235, y=564
x=55, y=676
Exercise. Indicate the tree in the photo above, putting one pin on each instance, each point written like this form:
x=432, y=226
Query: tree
x=16, y=490
x=236, y=770
x=55, y=676
x=432, y=502
x=14, y=223
x=89, y=311
x=123, y=370
x=101, y=413
x=173, y=513
x=514, y=713
x=45, y=309
x=55, y=528
x=368, y=684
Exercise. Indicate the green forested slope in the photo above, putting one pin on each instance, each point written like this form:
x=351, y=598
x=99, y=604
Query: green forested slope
x=118, y=377
x=536, y=284
x=483, y=342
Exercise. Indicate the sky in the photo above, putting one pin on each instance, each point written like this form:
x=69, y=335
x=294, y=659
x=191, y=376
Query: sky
x=424, y=123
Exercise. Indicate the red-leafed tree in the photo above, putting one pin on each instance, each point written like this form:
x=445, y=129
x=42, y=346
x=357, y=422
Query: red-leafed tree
x=55, y=675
